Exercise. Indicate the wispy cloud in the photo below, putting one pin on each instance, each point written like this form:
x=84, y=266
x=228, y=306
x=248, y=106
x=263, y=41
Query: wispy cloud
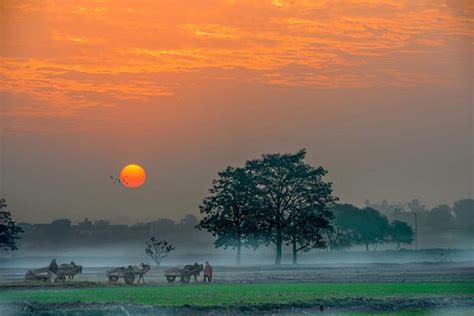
x=104, y=52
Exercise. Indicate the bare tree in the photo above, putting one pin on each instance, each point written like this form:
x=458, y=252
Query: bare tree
x=158, y=249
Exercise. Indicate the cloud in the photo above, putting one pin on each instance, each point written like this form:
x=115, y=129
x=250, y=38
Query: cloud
x=82, y=55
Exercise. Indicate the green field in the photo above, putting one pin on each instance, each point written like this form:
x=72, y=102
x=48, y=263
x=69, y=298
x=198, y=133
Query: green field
x=235, y=294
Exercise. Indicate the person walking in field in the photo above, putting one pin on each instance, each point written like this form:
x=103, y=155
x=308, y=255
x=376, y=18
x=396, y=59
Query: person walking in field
x=207, y=273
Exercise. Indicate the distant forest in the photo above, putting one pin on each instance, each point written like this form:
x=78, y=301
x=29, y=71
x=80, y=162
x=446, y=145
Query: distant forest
x=444, y=217
x=63, y=233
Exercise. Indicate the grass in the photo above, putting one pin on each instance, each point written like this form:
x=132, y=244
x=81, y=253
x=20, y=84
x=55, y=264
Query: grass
x=234, y=294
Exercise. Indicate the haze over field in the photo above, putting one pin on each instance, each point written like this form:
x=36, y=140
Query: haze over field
x=379, y=92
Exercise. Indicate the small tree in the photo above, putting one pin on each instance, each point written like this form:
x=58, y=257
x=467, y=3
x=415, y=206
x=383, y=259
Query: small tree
x=401, y=233
x=158, y=249
x=371, y=227
x=9, y=231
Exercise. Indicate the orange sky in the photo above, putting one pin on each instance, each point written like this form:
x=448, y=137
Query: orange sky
x=238, y=77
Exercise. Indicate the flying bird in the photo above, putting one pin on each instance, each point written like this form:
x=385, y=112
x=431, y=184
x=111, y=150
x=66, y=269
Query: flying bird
x=114, y=179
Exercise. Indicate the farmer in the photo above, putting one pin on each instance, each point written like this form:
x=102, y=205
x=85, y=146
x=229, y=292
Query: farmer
x=207, y=273
x=53, y=266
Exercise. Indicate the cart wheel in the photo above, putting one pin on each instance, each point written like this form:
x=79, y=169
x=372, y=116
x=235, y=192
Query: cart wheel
x=60, y=278
x=185, y=278
x=113, y=279
x=170, y=278
x=129, y=278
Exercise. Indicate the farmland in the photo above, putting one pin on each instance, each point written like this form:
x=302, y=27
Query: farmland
x=404, y=289
x=375, y=297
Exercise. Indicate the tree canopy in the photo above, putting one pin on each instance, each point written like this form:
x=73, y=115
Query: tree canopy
x=275, y=199
x=9, y=231
x=231, y=211
x=464, y=210
x=367, y=226
x=401, y=233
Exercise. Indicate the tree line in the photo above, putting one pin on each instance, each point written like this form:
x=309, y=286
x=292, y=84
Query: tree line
x=353, y=226
x=459, y=216
x=278, y=200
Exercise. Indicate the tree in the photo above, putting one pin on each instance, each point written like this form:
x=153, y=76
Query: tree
x=440, y=217
x=342, y=234
x=158, y=250
x=401, y=233
x=370, y=227
x=288, y=188
x=464, y=210
x=307, y=231
x=9, y=231
x=231, y=211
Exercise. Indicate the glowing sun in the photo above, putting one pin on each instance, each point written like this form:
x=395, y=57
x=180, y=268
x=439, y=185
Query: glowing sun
x=132, y=176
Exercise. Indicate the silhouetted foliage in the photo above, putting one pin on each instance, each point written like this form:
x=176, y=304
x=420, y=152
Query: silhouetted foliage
x=401, y=233
x=371, y=227
x=464, y=210
x=359, y=226
x=9, y=231
x=278, y=198
x=306, y=230
x=440, y=217
x=290, y=191
x=158, y=249
x=231, y=211
x=342, y=235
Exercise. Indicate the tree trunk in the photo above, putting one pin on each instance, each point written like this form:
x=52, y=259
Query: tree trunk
x=295, y=253
x=237, y=258
x=279, y=242
x=367, y=246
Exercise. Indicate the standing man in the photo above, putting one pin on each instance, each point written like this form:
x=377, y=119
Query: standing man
x=207, y=273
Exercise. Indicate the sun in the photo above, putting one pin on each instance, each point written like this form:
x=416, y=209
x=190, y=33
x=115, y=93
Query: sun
x=132, y=176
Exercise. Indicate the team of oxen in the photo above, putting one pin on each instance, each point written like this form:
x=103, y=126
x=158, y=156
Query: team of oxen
x=130, y=274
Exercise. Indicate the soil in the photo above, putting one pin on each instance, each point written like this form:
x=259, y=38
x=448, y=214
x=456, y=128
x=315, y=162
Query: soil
x=411, y=272
x=376, y=272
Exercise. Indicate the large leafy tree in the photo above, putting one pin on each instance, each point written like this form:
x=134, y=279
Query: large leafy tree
x=401, y=233
x=231, y=211
x=290, y=191
x=9, y=231
x=440, y=217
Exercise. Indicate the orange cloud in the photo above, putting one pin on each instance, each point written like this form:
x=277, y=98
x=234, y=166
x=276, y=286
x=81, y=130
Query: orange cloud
x=94, y=52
